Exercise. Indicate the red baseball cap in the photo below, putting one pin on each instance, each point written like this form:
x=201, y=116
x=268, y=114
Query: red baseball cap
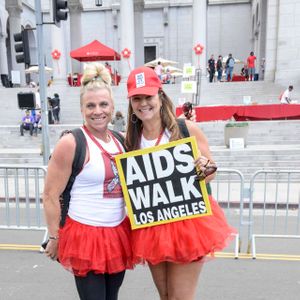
x=143, y=81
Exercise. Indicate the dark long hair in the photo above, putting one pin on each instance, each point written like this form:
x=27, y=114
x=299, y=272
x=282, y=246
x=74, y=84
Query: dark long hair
x=135, y=125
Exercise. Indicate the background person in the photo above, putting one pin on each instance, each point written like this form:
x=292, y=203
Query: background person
x=251, y=65
x=119, y=122
x=211, y=68
x=229, y=67
x=158, y=70
x=174, y=251
x=27, y=123
x=166, y=77
x=286, y=97
x=37, y=126
x=94, y=243
x=55, y=108
x=37, y=102
x=244, y=72
x=262, y=68
x=220, y=67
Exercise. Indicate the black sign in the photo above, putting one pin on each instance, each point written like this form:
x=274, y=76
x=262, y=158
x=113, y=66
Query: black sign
x=159, y=184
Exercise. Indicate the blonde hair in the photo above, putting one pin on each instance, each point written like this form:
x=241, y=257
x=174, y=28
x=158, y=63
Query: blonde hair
x=95, y=76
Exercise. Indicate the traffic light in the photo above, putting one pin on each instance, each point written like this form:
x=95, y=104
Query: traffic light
x=59, y=11
x=22, y=47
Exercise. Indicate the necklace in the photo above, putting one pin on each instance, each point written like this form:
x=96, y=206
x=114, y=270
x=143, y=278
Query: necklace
x=159, y=137
x=111, y=156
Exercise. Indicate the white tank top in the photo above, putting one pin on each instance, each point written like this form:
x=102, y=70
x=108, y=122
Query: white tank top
x=96, y=195
x=151, y=143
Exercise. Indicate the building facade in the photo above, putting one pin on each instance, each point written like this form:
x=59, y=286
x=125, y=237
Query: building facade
x=161, y=28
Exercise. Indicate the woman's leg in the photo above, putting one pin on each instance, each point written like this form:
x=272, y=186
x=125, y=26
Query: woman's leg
x=113, y=284
x=159, y=275
x=182, y=280
x=91, y=287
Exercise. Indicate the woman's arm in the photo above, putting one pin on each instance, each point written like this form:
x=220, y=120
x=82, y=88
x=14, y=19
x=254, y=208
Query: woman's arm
x=58, y=173
x=203, y=147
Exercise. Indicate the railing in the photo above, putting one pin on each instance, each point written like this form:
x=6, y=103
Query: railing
x=228, y=190
x=20, y=197
x=272, y=210
x=274, y=206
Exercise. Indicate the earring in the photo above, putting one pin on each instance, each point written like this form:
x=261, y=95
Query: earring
x=133, y=118
x=161, y=110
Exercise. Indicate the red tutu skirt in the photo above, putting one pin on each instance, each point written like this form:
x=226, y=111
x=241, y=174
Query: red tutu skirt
x=182, y=241
x=84, y=248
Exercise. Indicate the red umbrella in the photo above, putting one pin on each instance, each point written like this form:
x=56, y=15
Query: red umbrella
x=95, y=51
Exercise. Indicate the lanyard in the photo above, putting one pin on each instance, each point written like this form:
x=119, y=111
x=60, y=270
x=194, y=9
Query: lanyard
x=104, y=151
x=159, y=137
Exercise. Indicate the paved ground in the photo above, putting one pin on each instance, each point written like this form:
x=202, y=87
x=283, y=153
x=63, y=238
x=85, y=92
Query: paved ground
x=27, y=274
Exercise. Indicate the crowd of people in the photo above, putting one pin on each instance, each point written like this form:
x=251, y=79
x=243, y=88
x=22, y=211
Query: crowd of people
x=96, y=242
x=32, y=119
x=164, y=74
x=216, y=69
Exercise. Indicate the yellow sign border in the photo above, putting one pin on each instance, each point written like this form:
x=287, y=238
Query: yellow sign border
x=202, y=184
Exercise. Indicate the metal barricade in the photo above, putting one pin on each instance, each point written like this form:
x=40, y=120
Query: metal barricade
x=228, y=190
x=20, y=197
x=22, y=187
x=274, y=206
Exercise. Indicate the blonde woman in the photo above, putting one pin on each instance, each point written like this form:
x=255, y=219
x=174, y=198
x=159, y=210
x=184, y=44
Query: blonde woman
x=94, y=243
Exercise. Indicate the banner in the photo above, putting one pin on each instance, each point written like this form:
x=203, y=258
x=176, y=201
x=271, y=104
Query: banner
x=188, y=71
x=188, y=87
x=159, y=184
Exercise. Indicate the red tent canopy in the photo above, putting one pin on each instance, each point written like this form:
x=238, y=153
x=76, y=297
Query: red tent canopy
x=95, y=51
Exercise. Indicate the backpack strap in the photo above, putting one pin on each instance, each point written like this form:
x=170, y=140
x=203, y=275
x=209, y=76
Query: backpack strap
x=185, y=133
x=183, y=128
x=119, y=137
x=79, y=157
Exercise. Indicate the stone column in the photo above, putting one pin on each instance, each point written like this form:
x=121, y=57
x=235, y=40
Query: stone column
x=75, y=8
x=287, y=70
x=14, y=12
x=3, y=56
x=127, y=36
x=271, y=39
x=139, y=34
x=166, y=32
x=199, y=32
x=59, y=66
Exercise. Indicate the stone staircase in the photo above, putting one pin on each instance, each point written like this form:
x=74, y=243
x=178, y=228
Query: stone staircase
x=233, y=92
x=271, y=144
x=218, y=93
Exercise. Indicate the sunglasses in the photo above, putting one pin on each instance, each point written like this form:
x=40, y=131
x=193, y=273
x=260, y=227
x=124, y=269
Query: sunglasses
x=209, y=170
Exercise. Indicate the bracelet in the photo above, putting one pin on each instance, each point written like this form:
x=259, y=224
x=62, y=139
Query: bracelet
x=53, y=238
x=207, y=163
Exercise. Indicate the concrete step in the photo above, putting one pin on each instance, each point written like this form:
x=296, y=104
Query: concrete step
x=247, y=161
x=262, y=132
x=211, y=94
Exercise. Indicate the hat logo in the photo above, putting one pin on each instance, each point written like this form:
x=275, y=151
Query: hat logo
x=140, y=80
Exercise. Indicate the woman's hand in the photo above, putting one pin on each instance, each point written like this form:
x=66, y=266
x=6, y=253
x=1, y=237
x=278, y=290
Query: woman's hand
x=205, y=167
x=51, y=250
x=192, y=116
